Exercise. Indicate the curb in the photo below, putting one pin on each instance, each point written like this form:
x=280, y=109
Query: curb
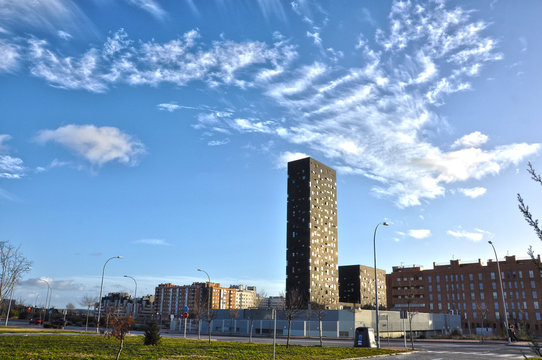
x=383, y=355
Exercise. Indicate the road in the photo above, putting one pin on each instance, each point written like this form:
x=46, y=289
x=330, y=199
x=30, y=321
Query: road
x=425, y=350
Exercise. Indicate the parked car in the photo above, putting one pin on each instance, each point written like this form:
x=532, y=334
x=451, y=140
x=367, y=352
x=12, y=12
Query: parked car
x=36, y=321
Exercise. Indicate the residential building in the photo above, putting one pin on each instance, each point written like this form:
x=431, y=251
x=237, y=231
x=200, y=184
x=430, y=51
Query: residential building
x=357, y=286
x=171, y=299
x=311, y=255
x=246, y=298
x=472, y=290
x=123, y=303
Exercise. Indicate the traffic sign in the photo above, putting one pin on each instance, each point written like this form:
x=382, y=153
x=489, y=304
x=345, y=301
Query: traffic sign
x=185, y=315
x=186, y=309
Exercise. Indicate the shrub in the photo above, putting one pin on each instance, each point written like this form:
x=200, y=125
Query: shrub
x=456, y=332
x=152, y=334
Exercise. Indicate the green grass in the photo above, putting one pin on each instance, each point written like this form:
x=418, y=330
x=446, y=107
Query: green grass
x=39, y=347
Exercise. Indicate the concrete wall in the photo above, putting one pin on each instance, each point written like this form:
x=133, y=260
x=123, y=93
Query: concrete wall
x=336, y=323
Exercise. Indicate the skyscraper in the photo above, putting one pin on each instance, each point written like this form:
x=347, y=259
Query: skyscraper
x=311, y=239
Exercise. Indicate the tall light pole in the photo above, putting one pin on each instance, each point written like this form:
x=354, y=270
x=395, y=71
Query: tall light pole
x=502, y=294
x=47, y=296
x=101, y=289
x=208, y=302
x=135, y=295
x=376, y=285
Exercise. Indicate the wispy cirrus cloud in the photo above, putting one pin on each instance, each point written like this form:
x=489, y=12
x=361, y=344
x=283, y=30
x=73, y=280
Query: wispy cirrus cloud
x=98, y=145
x=150, y=6
x=10, y=167
x=178, y=61
x=9, y=56
x=154, y=242
x=475, y=235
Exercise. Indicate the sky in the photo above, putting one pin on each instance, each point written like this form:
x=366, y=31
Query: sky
x=160, y=131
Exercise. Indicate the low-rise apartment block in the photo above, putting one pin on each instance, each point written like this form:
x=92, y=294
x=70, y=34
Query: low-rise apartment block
x=357, y=286
x=472, y=290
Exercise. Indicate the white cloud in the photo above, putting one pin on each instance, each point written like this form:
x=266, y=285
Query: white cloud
x=476, y=235
x=150, y=6
x=155, y=242
x=11, y=167
x=285, y=157
x=474, y=139
x=178, y=61
x=218, y=142
x=168, y=107
x=9, y=56
x=43, y=15
x=473, y=192
x=98, y=145
x=419, y=233
x=64, y=35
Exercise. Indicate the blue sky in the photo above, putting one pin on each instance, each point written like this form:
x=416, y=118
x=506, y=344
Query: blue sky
x=160, y=131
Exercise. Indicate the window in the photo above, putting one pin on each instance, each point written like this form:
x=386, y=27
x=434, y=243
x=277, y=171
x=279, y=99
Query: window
x=438, y=278
x=481, y=285
x=494, y=295
x=537, y=316
x=430, y=297
x=523, y=294
x=526, y=316
x=534, y=295
x=531, y=275
x=439, y=306
x=446, y=278
x=494, y=285
x=461, y=277
x=536, y=305
x=473, y=306
x=497, y=315
x=431, y=306
x=496, y=305
x=492, y=276
x=471, y=286
x=474, y=315
x=520, y=275
x=472, y=296
x=438, y=287
x=480, y=276
x=471, y=277
x=429, y=278
x=481, y=296
x=483, y=305
x=430, y=288
x=438, y=297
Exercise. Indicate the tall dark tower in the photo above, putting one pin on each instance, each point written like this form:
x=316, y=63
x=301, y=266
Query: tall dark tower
x=311, y=239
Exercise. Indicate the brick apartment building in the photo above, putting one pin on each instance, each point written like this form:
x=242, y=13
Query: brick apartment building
x=472, y=290
x=356, y=285
x=171, y=299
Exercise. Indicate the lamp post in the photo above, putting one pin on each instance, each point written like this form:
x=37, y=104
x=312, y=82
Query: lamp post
x=208, y=302
x=101, y=289
x=47, y=296
x=135, y=295
x=376, y=285
x=502, y=293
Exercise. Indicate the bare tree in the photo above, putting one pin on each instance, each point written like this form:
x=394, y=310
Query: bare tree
x=233, y=313
x=320, y=311
x=524, y=209
x=251, y=314
x=120, y=327
x=88, y=301
x=209, y=315
x=410, y=295
x=195, y=312
x=292, y=307
x=14, y=265
x=261, y=297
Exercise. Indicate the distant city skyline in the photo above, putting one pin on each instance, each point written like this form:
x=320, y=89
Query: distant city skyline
x=161, y=131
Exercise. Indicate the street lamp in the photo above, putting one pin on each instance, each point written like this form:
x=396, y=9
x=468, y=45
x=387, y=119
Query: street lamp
x=101, y=289
x=208, y=302
x=47, y=298
x=135, y=295
x=376, y=285
x=502, y=294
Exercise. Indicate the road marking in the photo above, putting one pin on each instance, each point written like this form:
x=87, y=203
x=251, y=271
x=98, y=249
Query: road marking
x=485, y=355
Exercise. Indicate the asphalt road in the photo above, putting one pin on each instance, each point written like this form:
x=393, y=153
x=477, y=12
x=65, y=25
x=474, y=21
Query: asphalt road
x=424, y=350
